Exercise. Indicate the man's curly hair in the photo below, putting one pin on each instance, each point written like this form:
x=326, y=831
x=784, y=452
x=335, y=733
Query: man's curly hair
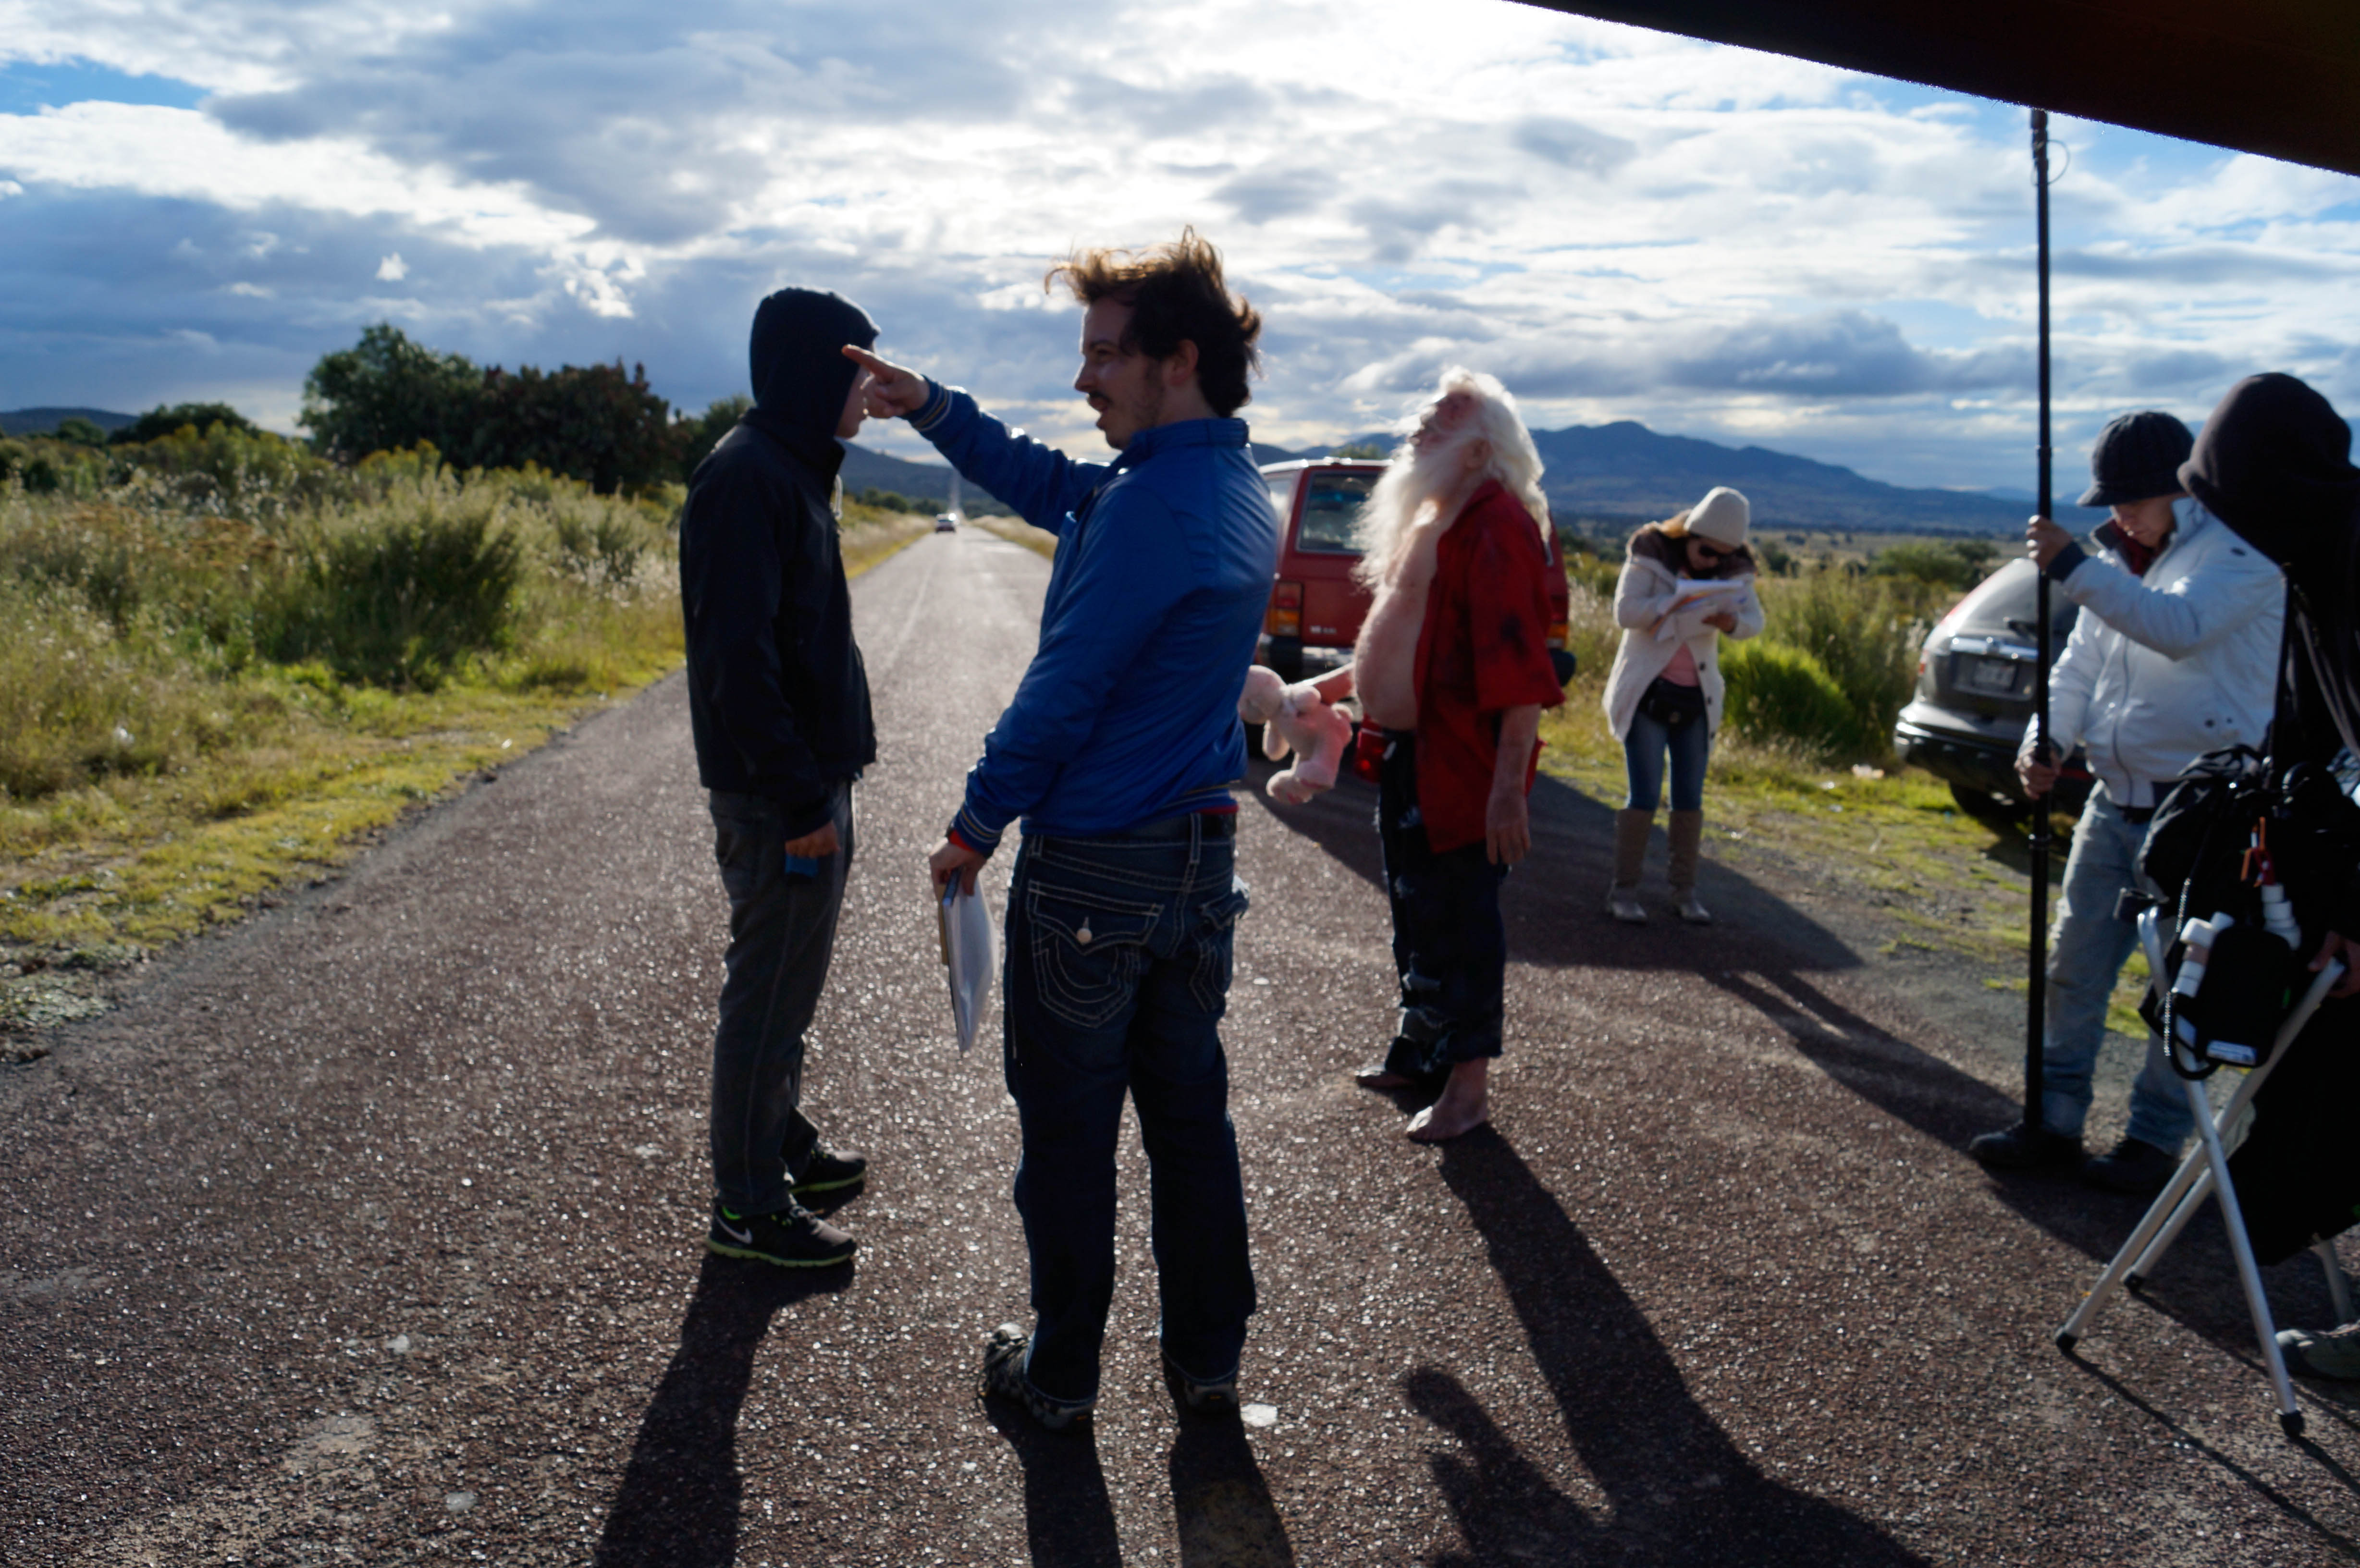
x=1176, y=296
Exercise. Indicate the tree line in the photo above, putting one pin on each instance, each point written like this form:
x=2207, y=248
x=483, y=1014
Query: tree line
x=387, y=393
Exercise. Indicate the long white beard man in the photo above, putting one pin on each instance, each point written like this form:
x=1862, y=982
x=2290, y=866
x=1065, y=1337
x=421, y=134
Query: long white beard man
x=1450, y=537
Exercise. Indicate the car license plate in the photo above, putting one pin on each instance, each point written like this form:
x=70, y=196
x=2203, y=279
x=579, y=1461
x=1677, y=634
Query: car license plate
x=1992, y=675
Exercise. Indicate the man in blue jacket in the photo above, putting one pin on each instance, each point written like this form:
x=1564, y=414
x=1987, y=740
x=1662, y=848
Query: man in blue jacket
x=1116, y=754
x=778, y=700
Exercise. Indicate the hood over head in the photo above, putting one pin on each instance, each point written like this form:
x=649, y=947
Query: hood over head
x=2274, y=463
x=800, y=375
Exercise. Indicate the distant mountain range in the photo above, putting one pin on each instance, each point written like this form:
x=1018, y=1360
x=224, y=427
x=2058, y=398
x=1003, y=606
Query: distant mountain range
x=41, y=421
x=1607, y=474
x=1625, y=473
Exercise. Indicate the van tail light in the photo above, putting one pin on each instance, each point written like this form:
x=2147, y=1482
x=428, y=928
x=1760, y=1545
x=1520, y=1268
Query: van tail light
x=1286, y=616
x=1556, y=637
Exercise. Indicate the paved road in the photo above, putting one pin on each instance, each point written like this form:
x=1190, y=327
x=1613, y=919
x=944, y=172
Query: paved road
x=370, y=1232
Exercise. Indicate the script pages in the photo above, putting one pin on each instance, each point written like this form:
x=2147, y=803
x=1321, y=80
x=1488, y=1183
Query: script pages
x=968, y=956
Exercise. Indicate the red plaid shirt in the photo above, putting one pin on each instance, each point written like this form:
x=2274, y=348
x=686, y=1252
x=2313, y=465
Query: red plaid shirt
x=1483, y=650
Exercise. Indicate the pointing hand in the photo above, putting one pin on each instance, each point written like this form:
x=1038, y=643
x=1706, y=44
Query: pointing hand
x=892, y=392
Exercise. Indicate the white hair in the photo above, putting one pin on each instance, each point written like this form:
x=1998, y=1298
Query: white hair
x=1407, y=487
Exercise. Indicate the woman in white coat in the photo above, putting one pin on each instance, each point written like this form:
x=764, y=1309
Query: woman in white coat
x=1684, y=583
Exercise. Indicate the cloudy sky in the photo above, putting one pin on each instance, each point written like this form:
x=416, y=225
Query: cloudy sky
x=198, y=198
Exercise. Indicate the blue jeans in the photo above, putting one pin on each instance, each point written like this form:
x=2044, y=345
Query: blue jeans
x=781, y=935
x=1690, y=744
x=2087, y=949
x=1450, y=947
x=1117, y=975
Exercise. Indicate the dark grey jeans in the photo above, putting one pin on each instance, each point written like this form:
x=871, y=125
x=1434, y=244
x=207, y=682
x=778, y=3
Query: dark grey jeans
x=782, y=934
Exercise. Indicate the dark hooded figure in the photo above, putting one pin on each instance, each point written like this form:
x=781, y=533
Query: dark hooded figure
x=778, y=704
x=2274, y=463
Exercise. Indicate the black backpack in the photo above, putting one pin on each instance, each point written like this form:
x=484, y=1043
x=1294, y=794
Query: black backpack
x=2198, y=854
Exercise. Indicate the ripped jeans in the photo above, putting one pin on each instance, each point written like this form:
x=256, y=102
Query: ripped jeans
x=1117, y=975
x=1450, y=948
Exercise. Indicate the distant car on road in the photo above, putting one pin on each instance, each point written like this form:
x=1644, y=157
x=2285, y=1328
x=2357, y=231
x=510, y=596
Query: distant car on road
x=1315, y=608
x=947, y=522
x=1975, y=680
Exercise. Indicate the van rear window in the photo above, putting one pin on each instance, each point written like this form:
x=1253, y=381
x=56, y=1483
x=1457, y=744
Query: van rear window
x=1329, y=511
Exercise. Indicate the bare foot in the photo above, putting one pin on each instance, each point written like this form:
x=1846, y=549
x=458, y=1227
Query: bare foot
x=1466, y=1104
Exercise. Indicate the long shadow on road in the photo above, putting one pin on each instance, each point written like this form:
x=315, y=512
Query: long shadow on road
x=681, y=1498
x=1222, y=1507
x=1551, y=902
x=1679, y=1490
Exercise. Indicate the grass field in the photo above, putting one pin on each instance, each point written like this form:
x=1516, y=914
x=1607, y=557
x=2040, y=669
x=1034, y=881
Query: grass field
x=210, y=702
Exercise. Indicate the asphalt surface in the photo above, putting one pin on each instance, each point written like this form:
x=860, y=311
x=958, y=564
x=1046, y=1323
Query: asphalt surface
x=371, y=1231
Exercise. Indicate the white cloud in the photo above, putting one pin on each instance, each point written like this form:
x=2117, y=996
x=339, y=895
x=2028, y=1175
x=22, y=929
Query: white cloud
x=1718, y=242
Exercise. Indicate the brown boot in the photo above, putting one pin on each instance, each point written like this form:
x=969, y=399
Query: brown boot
x=1688, y=837
x=1631, y=830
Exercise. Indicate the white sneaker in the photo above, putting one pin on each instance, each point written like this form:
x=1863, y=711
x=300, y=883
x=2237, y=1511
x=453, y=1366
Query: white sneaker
x=1624, y=904
x=1696, y=914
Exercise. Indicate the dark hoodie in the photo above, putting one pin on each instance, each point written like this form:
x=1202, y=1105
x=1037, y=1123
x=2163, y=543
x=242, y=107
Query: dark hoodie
x=777, y=698
x=2274, y=464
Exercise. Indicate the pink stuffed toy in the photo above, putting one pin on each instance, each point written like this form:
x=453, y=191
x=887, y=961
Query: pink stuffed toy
x=1295, y=718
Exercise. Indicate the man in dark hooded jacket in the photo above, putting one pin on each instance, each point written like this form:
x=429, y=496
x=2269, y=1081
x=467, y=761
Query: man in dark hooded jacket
x=778, y=704
x=2274, y=463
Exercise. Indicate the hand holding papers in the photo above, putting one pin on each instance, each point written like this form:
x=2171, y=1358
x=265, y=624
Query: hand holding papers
x=1709, y=595
x=968, y=944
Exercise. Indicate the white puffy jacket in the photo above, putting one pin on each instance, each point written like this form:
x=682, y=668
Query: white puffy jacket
x=1642, y=594
x=2164, y=668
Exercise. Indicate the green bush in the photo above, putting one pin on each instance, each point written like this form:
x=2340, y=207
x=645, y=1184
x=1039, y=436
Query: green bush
x=82, y=698
x=1863, y=633
x=1777, y=692
x=403, y=594
x=149, y=626
x=602, y=548
x=1954, y=564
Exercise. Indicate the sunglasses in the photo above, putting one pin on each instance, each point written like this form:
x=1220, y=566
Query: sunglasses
x=1709, y=552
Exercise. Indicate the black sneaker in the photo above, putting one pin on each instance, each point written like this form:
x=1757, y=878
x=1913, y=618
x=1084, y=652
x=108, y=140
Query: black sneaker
x=2132, y=1166
x=794, y=1237
x=2022, y=1148
x=1215, y=1398
x=1003, y=1374
x=831, y=1171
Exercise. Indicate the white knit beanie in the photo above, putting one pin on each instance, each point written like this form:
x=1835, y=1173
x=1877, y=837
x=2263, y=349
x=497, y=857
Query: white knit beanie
x=1721, y=516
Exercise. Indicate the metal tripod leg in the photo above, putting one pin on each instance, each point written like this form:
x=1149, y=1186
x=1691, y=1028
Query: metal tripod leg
x=2198, y=1191
x=2339, y=1291
x=2189, y=1186
x=2266, y=1333
x=2205, y=1173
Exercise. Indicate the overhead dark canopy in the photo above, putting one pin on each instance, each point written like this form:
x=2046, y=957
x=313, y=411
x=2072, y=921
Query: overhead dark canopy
x=2279, y=77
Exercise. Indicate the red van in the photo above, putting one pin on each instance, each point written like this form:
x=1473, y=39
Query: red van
x=1315, y=608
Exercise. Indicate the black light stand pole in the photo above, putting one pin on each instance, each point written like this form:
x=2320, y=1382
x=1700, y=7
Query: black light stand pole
x=2035, y=1012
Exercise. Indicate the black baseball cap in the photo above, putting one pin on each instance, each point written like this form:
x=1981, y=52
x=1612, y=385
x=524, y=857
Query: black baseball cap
x=2136, y=456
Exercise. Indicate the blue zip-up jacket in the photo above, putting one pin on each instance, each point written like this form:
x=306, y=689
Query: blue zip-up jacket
x=1129, y=711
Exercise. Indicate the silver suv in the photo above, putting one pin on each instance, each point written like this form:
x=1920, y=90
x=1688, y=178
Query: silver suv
x=1975, y=680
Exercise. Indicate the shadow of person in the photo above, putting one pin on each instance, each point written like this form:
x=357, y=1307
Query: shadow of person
x=1552, y=902
x=680, y=1500
x=1909, y=1084
x=1679, y=1490
x=1069, y=1518
x=2196, y=1283
x=1223, y=1507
